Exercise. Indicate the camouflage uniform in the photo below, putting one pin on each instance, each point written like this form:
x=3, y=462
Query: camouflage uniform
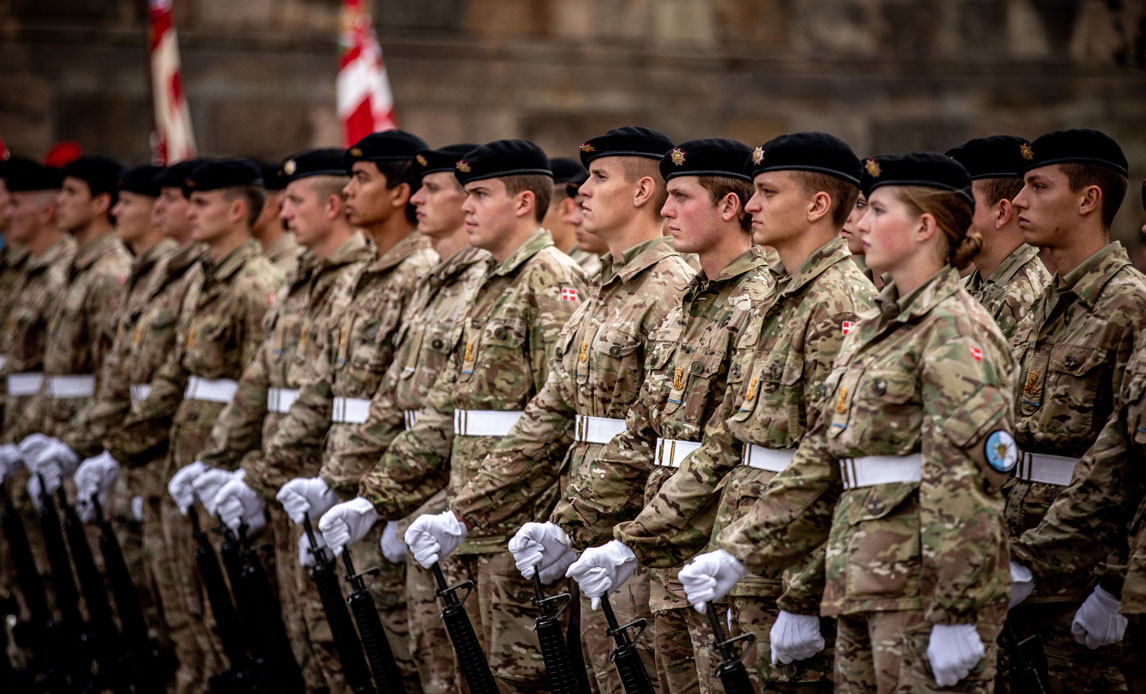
x=500, y=362
x=598, y=373
x=902, y=462
x=429, y=332
x=12, y=263
x=294, y=329
x=1073, y=347
x=787, y=345
x=218, y=331
x=590, y=262
x=284, y=254
x=355, y=352
x=1011, y=288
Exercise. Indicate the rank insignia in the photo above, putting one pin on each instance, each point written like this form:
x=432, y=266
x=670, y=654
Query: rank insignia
x=463, y=166
x=677, y=156
x=587, y=148
x=842, y=401
x=751, y=394
x=290, y=167
x=469, y=352
x=421, y=159
x=584, y=356
x=1031, y=387
x=872, y=167
x=355, y=152
x=678, y=379
x=758, y=156
x=1001, y=451
x=1026, y=151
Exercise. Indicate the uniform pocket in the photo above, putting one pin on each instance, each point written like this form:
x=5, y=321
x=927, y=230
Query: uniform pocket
x=1074, y=375
x=883, y=547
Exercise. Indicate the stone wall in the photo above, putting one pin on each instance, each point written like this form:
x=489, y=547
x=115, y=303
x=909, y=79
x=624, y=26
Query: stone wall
x=886, y=75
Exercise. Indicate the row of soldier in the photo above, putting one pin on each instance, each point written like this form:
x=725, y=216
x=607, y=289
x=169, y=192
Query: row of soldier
x=687, y=425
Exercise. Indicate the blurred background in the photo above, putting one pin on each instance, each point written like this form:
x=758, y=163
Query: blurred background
x=885, y=75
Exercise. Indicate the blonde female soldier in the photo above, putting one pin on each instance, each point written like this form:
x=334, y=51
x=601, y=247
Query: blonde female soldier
x=900, y=474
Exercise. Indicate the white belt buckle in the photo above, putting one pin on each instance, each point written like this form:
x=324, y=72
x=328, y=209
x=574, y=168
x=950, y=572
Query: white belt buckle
x=484, y=422
x=671, y=452
x=280, y=400
x=1045, y=468
x=597, y=429
x=71, y=386
x=25, y=383
x=350, y=410
x=770, y=459
x=139, y=392
x=409, y=417
x=220, y=390
x=873, y=470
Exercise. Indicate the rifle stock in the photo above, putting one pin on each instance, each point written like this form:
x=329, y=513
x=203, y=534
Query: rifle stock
x=471, y=659
x=374, y=642
x=1028, y=671
x=551, y=638
x=634, y=677
x=731, y=670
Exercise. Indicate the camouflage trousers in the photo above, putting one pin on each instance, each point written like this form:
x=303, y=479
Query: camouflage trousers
x=630, y=602
x=886, y=652
x=678, y=637
x=502, y=613
x=756, y=615
x=389, y=592
x=1071, y=666
x=291, y=580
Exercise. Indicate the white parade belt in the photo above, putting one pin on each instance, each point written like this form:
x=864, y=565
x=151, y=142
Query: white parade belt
x=597, y=429
x=670, y=452
x=409, y=416
x=25, y=383
x=71, y=386
x=279, y=400
x=873, y=470
x=484, y=422
x=1045, y=468
x=350, y=410
x=770, y=459
x=139, y=392
x=210, y=389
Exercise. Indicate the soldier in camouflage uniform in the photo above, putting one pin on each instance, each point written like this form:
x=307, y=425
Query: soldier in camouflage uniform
x=1008, y=273
x=599, y=367
x=500, y=361
x=219, y=328
x=590, y=248
x=564, y=213
x=1073, y=348
x=901, y=466
x=355, y=352
x=278, y=246
x=333, y=252
x=12, y=261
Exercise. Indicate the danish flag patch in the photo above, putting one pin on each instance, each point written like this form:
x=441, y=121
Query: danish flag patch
x=847, y=326
x=976, y=353
x=270, y=299
x=568, y=294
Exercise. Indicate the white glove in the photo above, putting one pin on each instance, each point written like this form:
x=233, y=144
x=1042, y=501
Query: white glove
x=34, y=492
x=208, y=485
x=137, y=508
x=10, y=460
x=306, y=556
x=954, y=649
x=434, y=536
x=306, y=495
x=544, y=547
x=392, y=546
x=710, y=576
x=795, y=637
x=31, y=446
x=601, y=570
x=96, y=475
x=1097, y=623
x=181, y=488
x=1022, y=584
x=54, y=461
x=347, y=523
x=239, y=505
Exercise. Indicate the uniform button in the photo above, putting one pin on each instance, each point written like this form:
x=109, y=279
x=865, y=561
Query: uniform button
x=789, y=671
x=1069, y=361
x=475, y=323
x=736, y=370
x=499, y=333
x=879, y=387
x=696, y=367
x=438, y=343
x=614, y=350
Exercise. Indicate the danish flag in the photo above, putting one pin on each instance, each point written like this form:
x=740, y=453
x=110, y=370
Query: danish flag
x=173, y=139
x=365, y=102
x=568, y=294
x=976, y=353
x=847, y=326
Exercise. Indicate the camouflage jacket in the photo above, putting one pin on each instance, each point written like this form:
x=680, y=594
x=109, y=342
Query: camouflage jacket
x=590, y=262
x=429, y=334
x=598, y=371
x=13, y=261
x=500, y=362
x=284, y=253
x=80, y=331
x=218, y=332
x=928, y=374
x=1072, y=349
x=112, y=401
x=1012, y=288
x=295, y=329
x=356, y=352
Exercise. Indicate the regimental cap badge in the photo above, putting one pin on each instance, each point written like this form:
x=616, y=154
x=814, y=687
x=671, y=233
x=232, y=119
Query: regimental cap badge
x=290, y=167
x=463, y=166
x=421, y=159
x=587, y=148
x=1026, y=151
x=677, y=156
x=355, y=152
x=872, y=167
x=758, y=156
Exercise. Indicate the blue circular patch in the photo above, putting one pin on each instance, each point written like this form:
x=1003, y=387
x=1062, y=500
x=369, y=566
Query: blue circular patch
x=1002, y=453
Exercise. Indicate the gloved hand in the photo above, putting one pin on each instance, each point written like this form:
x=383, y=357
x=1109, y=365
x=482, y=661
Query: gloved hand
x=208, y=485
x=544, y=547
x=795, y=637
x=305, y=495
x=601, y=570
x=710, y=576
x=54, y=461
x=954, y=649
x=392, y=546
x=10, y=460
x=1097, y=623
x=1022, y=584
x=31, y=446
x=434, y=536
x=239, y=505
x=181, y=488
x=94, y=478
x=306, y=556
x=347, y=523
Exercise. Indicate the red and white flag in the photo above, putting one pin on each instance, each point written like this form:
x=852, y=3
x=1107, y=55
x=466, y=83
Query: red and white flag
x=365, y=102
x=174, y=140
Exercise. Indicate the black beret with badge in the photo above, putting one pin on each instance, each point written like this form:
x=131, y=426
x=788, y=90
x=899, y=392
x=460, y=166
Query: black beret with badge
x=216, y=174
x=272, y=175
x=924, y=169
x=565, y=169
x=808, y=151
x=626, y=141
x=502, y=158
x=1079, y=146
x=327, y=161
x=175, y=175
x=141, y=180
x=708, y=157
x=997, y=156
x=22, y=174
x=388, y=145
x=100, y=173
x=446, y=158
x=573, y=185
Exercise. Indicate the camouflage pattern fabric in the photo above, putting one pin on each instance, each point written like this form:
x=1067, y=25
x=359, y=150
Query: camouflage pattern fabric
x=590, y=262
x=13, y=261
x=284, y=253
x=1012, y=288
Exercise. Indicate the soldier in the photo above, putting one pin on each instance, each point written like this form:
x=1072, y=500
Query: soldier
x=1008, y=274
x=12, y=260
x=355, y=352
x=589, y=246
x=498, y=364
x=900, y=470
x=563, y=216
x=219, y=328
x=1073, y=348
x=278, y=245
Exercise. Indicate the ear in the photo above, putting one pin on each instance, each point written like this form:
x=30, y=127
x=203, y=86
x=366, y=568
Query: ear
x=928, y=228
x=567, y=206
x=729, y=207
x=523, y=203
x=333, y=207
x=401, y=195
x=238, y=211
x=821, y=206
x=1004, y=213
x=101, y=204
x=1091, y=201
x=646, y=189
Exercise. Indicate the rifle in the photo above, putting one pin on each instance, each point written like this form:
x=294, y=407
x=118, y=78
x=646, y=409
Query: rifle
x=731, y=669
x=471, y=659
x=634, y=678
x=1028, y=671
x=338, y=616
x=551, y=637
x=382, y=663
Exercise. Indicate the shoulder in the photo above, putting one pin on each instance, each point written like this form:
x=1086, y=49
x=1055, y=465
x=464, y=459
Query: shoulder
x=258, y=276
x=550, y=266
x=962, y=328
x=840, y=289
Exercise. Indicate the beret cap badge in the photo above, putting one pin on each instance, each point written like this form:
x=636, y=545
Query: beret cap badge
x=463, y=166
x=421, y=159
x=678, y=156
x=758, y=155
x=355, y=152
x=1026, y=151
x=586, y=147
x=872, y=167
x=290, y=167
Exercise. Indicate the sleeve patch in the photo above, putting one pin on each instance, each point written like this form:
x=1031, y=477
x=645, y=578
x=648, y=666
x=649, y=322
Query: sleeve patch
x=1001, y=451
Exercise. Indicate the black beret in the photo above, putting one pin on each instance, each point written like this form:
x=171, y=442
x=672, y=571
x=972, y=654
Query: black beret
x=175, y=175
x=100, y=173
x=565, y=169
x=272, y=175
x=141, y=180
x=327, y=161
x=708, y=157
x=430, y=161
x=997, y=156
x=22, y=174
x=502, y=158
x=1080, y=146
x=926, y=169
x=215, y=174
x=626, y=141
x=810, y=151
x=573, y=185
x=388, y=145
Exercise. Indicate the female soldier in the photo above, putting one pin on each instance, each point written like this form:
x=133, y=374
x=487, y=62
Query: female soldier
x=900, y=474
